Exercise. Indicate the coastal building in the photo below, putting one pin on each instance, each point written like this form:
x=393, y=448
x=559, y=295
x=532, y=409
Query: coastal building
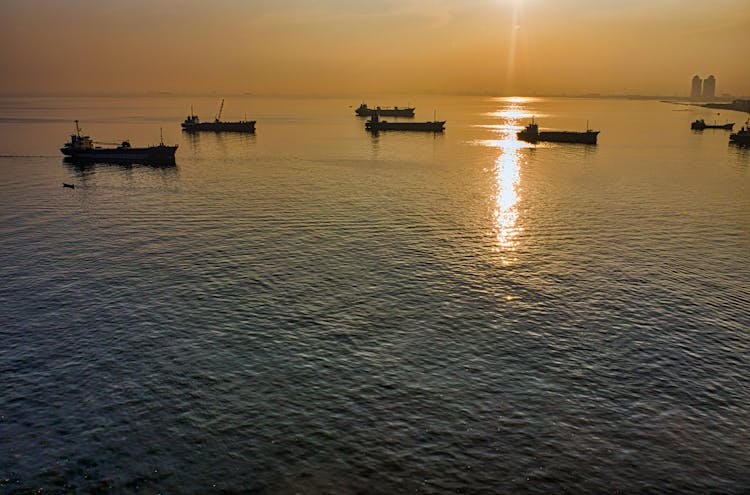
x=709, y=87
x=696, y=87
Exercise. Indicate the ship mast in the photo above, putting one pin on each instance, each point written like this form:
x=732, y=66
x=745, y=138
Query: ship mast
x=218, y=116
x=78, y=129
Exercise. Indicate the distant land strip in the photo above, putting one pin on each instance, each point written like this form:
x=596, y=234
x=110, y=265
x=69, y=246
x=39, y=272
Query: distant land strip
x=738, y=105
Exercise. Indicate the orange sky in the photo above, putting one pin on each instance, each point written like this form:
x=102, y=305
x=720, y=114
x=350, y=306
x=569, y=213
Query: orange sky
x=352, y=47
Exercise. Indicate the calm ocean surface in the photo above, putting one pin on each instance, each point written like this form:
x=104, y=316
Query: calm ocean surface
x=313, y=309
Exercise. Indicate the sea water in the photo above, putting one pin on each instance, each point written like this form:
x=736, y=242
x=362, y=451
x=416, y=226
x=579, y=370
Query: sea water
x=316, y=309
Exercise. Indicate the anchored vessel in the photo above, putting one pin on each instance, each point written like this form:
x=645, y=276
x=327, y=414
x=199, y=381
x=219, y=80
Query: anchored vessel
x=700, y=124
x=193, y=124
x=364, y=111
x=82, y=147
x=375, y=124
x=742, y=136
x=532, y=134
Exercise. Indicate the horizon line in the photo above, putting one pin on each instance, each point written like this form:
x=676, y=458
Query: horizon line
x=492, y=94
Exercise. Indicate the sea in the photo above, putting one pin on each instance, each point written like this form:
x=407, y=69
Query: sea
x=315, y=309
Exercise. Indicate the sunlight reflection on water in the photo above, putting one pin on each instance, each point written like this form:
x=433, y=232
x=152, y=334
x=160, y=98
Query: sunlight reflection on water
x=507, y=224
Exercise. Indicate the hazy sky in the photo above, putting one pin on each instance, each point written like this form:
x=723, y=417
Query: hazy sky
x=355, y=47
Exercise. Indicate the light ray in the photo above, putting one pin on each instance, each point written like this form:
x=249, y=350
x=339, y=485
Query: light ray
x=513, y=48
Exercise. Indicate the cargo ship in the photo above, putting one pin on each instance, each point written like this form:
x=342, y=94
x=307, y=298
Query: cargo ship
x=83, y=148
x=532, y=134
x=365, y=111
x=700, y=124
x=193, y=124
x=375, y=125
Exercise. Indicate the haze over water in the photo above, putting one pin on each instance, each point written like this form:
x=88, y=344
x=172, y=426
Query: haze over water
x=314, y=309
x=335, y=47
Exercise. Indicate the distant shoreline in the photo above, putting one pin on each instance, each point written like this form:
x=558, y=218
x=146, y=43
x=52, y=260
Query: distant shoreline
x=738, y=105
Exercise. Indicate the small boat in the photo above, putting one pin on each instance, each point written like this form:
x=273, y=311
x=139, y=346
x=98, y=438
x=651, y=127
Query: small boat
x=193, y=124
x=532, y=134
x=700, y=124
x=70, y=186
x=364, y=111
x=375, y=125
x=83, y=148
x=742, y=136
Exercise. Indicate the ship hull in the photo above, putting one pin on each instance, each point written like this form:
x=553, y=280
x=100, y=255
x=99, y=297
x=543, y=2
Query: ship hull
x=386, y=112
x=699, y=127
x=742, y=139
x=152, y=154
x=246, y=126
x=588, y=137
x=437, y=126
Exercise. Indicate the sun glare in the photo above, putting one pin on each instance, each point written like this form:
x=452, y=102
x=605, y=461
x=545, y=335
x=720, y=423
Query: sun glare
x=513, y=47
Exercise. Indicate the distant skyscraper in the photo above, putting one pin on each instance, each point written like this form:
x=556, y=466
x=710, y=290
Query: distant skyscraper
x=695, y=88
x=709, y=87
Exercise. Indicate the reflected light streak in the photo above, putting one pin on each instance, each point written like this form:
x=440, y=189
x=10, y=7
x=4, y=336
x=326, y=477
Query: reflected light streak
x=519, y=99
x=506, y=221
x=514, y=99
x=507, y=175
x=511, y=113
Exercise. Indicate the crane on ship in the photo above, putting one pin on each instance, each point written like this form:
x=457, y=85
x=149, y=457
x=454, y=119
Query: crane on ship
x=218, y=115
